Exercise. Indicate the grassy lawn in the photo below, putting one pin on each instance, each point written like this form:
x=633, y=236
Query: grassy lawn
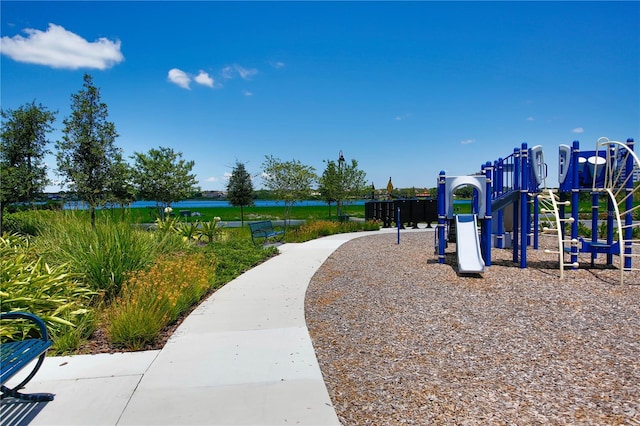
x=227, y=214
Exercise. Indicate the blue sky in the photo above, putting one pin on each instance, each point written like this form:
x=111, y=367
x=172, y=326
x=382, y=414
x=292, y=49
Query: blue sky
x=406, y=88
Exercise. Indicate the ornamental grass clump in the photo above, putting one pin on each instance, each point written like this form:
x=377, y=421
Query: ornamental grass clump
x=56, y=295
x=153, y=298
x=322, y=228
x=104, y=255
x=314, y=229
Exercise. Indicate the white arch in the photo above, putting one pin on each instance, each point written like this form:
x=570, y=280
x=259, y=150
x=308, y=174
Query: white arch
x=452, y=183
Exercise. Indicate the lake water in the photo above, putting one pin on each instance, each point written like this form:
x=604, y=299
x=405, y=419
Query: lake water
x=194, y=204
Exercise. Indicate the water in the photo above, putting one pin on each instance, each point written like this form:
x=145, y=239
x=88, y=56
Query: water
x=194, y=204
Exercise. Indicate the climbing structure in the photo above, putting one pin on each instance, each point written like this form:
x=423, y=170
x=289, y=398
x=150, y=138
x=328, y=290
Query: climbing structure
x=553, y=223
x=620, y=170
x=610, y=171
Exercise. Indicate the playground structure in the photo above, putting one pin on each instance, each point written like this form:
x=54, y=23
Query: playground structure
x=610, y=171
x=511, y=201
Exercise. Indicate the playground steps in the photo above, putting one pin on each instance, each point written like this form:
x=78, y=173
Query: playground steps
x=599, y=247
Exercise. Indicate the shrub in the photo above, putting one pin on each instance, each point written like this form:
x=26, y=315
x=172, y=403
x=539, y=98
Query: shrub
x=321, y=228
x=105, y=254
x=169, y=224
x=68, y=340
x=584, y=230
x=153, y=298
x=188, y=230
x=27, y=222
x=28, y=284
x=209, y=230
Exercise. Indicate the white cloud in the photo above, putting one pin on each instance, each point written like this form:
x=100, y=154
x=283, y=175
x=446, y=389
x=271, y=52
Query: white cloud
x=204, y=79
x=402, y=117
x=231, y=71
x=212, y=179
x=277, y=64
x=531, y=119
x=179, y=77
x=58, y=48
x=467, y=141
x=247, y=93
x=227, y=72
x=246, y=73
x=578, y=130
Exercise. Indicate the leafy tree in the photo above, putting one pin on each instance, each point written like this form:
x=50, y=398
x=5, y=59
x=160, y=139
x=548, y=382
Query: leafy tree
x=290, y=181
x=87, y=151
x=341, y=181
x=328, y=184
x=240, y=188
x=163, y=176
x=465, y=192
x=406, y=192
x=121, y=188
x=264, y=194
x=23, y=145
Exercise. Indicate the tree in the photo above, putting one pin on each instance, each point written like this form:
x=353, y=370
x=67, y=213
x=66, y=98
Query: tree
x=87, y=151
x=121, y=188
x=342, y=181
x=290, y=181
x=328, y=184
x=23, y=145
x=465, y=192
x=240, y=188
x=163, y=176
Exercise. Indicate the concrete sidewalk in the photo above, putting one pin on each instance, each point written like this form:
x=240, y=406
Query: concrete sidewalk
x=243, y=357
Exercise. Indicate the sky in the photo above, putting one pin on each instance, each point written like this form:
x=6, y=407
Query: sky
x=405, y=88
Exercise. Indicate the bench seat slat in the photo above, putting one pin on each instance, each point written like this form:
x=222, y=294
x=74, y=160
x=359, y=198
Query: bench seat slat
x=15, y=355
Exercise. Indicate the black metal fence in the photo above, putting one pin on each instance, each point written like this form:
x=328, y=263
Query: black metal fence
x=412, y=212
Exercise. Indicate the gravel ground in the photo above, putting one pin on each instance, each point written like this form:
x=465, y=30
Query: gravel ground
x=402, y=339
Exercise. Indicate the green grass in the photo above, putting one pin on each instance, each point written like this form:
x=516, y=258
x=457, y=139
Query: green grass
x=227, y=214
x=236, y=254
x=67, y=259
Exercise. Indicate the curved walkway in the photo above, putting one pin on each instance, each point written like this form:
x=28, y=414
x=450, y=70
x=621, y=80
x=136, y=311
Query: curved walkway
x=243, y=357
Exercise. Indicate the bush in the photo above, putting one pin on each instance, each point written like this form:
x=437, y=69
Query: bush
x=105, y=254
x=153, y=298
x=28, y=284
x=27, y=222
x=209, y=230
x=322, y=228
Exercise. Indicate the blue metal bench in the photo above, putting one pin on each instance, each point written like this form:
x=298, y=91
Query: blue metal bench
x=263, y=232
x=14, y=356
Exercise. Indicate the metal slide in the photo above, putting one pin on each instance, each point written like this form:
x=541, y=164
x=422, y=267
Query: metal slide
x=468, y=244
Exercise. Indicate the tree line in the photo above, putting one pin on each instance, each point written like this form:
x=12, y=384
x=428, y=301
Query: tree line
x=95, y=171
